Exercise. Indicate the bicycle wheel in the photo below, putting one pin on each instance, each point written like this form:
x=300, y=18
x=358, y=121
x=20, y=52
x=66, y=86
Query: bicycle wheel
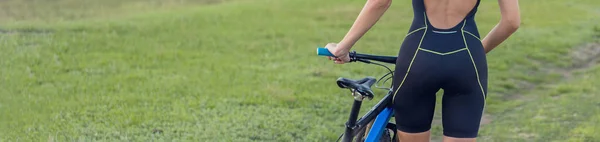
x=358, y=138
x=385, y=137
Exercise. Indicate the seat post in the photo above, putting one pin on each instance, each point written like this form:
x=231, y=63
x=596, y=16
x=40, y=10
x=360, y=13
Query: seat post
x=351, y=124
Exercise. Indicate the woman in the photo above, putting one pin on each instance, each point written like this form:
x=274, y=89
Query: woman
x=442, y=50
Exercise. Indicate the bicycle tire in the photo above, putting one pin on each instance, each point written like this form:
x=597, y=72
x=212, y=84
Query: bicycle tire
x=358, y=138
x=385, y=137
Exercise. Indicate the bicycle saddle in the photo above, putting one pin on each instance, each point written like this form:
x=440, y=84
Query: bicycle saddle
x=362, y=86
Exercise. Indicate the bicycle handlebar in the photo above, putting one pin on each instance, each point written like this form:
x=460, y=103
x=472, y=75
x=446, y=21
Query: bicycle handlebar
x=360, y=57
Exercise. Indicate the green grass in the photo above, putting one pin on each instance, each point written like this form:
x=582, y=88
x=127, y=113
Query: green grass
x=246, y=70
x=560, y=112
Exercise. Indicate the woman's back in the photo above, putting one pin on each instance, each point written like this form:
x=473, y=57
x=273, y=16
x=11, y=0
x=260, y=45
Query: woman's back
x=444, y=14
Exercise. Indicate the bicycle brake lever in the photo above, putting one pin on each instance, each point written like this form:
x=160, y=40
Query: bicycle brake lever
x=353, y=58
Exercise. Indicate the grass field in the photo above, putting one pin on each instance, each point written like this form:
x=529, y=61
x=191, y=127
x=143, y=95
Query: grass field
x=246, y=70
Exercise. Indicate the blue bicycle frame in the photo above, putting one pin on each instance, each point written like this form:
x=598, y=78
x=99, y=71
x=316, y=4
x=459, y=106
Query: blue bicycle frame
x=379, y=125
x=381, y=112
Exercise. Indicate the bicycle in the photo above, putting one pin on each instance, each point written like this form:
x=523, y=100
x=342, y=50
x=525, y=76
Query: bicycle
x=375, y=121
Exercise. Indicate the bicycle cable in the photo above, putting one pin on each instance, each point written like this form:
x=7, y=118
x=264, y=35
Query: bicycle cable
x=339, y=137
x=379, y=80
x=388, y=78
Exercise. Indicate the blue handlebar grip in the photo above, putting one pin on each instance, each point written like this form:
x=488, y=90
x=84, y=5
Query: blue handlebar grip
x=324, y=52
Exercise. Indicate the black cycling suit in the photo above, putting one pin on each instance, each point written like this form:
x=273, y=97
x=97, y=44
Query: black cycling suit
x=431, y=59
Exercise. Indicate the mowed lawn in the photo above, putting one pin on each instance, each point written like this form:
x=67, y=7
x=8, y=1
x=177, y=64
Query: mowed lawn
x=246, y=70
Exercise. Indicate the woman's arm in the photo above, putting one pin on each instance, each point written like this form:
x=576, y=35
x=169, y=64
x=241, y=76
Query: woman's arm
x=509, y=23
x=369, y=15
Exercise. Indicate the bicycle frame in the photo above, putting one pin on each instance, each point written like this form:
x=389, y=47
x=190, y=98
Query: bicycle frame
x=381, y=112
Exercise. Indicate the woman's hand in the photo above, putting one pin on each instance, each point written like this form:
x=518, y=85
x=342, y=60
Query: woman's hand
x=341, y=53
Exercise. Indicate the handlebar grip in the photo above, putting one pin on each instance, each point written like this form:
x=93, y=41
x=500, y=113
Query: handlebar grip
x=324, y=52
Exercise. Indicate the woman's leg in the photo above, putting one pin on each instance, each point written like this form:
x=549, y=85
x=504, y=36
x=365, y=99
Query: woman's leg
x=463, y=101
x=413, y=137
x=414, y=96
